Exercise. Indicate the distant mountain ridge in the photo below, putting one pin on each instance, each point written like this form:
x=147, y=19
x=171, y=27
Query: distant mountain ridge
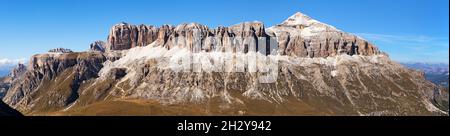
x=438, y=73
x=436, y=68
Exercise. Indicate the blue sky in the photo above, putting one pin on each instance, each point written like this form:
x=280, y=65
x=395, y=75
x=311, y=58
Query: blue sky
x=409, y=30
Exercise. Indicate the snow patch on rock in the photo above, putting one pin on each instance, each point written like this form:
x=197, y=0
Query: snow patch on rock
x=334, y=73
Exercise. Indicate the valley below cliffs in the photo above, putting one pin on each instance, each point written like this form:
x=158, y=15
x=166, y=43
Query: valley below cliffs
x=298, y=67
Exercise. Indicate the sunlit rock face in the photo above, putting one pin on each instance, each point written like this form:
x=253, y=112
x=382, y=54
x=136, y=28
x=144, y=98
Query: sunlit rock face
x=299, y=67
x=298, y=36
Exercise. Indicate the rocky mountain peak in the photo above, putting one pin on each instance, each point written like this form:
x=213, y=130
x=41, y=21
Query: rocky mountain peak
x=250, y=27
x=98, y=46
x=18, y=71
x=123, y=23
x=15, y=74
x=302, y=36
x=308, y=26
x=60, y=50
x=299, y=19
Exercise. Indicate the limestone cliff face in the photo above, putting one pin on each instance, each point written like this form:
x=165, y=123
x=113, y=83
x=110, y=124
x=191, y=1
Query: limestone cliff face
x=314, y=69
x=302, y=36
x=15, y=75
x=125, y=36
x=97, y=46
x=298, y=36
x=40, y=86
x=60, y=50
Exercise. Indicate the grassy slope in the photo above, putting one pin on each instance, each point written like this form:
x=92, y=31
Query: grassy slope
x=123, y=107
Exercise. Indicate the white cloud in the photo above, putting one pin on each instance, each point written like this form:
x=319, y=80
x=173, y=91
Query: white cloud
x=8, y=62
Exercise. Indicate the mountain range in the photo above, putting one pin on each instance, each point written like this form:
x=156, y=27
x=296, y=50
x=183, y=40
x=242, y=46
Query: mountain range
x=298, y=67
x=435, y=72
